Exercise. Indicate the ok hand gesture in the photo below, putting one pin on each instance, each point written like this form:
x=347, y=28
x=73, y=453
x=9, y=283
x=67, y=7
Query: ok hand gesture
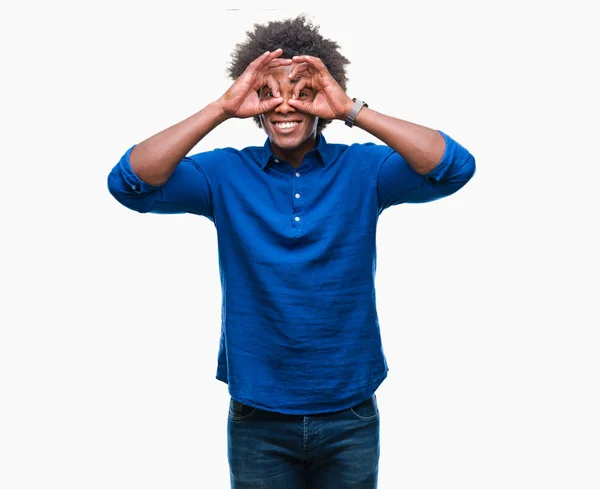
x=242, y=99
x=330, y=100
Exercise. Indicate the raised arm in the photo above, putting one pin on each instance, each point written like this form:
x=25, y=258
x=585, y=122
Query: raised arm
x=156, y=176
x=425, y=164
x=154, y=159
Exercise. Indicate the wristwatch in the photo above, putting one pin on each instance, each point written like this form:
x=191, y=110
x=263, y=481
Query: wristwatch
x=358, y=104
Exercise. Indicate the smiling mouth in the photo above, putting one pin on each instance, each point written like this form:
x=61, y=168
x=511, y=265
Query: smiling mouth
x=286, y=125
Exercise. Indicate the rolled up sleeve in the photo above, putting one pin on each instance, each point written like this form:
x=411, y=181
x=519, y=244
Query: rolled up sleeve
x=186, y=191
x=398, y=183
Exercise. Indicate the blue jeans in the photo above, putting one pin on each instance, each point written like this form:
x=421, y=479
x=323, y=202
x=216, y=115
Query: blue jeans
x=268, y=450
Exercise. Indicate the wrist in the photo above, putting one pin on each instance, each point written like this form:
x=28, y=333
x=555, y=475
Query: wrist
x=219, y=112
x=347, y=108
x=357, y=106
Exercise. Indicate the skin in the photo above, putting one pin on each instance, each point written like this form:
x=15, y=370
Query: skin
x=421, y=147
x=154, y=159
x=289, y=144
x=309, y=92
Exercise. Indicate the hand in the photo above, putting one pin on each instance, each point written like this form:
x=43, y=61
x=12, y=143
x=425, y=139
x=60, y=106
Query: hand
x=330, y=101
x=242, y=99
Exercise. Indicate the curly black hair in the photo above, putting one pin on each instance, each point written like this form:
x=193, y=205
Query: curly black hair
x=296, y=37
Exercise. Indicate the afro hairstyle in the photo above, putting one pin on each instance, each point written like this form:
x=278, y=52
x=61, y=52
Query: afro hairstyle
x=296, y=37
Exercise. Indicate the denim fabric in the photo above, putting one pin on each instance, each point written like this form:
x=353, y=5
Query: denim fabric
x=270, y=450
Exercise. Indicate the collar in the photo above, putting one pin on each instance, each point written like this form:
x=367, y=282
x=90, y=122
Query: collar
x=321, y=151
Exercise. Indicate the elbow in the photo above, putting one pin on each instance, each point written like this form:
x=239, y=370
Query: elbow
x=465, y=173
x=468, y=168
x=458, y=179
x=125, y=194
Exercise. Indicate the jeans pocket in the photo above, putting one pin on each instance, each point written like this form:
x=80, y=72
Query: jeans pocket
x=239, y=411
x=366, y=410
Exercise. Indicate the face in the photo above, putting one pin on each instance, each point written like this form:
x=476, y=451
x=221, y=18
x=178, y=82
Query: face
x=288, y=129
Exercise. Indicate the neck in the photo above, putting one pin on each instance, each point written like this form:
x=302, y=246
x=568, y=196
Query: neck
x=294, y=156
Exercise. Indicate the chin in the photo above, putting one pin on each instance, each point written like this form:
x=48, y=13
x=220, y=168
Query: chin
x=286, y=143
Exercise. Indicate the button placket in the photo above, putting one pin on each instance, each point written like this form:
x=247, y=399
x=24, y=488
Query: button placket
x=297, y=200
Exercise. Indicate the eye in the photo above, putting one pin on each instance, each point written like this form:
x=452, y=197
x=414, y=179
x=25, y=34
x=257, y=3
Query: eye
x=303, y=94
x=265, y=92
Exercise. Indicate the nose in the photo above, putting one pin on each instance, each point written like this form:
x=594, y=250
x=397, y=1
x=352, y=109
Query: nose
x=284, y=107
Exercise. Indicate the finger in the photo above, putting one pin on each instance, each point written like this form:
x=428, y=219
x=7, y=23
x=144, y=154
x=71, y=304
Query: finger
x=259, y=61
x=301, y=105
x=312, y=61
x=298, y=68
x=275, y=63
x=273, y=84
x=298, y=87
x=277, y=52
x=269, y=105
x=271, y=56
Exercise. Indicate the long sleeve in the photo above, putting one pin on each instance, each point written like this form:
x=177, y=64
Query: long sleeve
x=397, y=183
x=187, y=189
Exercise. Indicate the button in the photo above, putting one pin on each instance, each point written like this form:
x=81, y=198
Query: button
x=133, y=187
x=297, y=218
x=297, y=174
x=276, y=160
x=297, y=196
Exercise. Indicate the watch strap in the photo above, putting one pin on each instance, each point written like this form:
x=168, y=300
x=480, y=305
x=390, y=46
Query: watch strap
x=356, y=106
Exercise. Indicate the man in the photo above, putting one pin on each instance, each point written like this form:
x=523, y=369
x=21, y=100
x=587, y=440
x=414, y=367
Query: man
x=296, y=224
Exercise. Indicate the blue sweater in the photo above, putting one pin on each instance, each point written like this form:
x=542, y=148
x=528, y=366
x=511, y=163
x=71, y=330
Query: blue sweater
x=297, y=259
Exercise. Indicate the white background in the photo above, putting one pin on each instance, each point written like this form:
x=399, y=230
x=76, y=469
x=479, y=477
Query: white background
x=488, y=300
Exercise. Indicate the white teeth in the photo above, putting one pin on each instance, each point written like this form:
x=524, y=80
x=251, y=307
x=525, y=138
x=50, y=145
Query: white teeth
x=285, y=125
